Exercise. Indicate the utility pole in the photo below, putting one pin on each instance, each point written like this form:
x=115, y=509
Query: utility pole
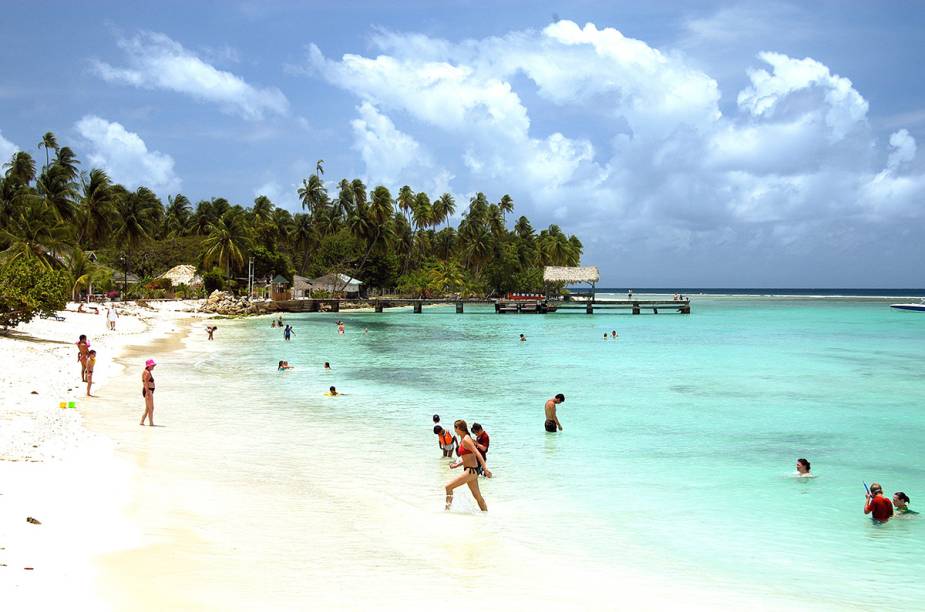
x=250, y=277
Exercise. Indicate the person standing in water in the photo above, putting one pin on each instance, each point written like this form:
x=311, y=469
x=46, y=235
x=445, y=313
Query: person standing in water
x=879, y=507
x=901, y=502
x=91, y=363
x=482, y=440
x=147, y=391
x=82, y=348
x=803, y=468
x=614, y=334
x=287, y=333
x=340, y=327
x=552, y=420
x=523, y=338
x=473, y=464
x=211, y=330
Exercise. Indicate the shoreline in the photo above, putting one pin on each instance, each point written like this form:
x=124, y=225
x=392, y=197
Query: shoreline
x=57, y=468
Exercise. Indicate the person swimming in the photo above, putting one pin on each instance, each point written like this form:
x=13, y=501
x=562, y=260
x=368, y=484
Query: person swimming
x=901, y=503
x=614, y=334
x=332, y=392
x=327, y=365
x=283, y=365
x=340, y=327
x=523, y=338
x=473, y=464
x=803, y=468
x=605, y=335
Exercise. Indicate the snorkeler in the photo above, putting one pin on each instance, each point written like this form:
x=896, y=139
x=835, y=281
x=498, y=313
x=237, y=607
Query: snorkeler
x=552, y=421
x=473, y=464
x=901, y=501
x=803, y=468
x=877, y=505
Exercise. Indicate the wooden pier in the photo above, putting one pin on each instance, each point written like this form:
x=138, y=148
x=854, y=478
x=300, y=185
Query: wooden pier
x=501, y=306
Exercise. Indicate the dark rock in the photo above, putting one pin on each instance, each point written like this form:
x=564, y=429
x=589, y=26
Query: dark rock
x=34, y=521
x=35, y=393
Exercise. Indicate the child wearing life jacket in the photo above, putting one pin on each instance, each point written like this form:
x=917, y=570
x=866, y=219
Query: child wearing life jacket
x=446, y=441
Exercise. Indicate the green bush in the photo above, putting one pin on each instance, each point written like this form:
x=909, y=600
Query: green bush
x=213, y=280
x=27, y=289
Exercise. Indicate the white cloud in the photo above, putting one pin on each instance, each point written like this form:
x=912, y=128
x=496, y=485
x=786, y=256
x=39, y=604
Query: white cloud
x=7, y=149
x=631, y=134
x=155, y=61
x=124, y=155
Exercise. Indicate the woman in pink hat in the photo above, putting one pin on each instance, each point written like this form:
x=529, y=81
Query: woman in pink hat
x=147, y=391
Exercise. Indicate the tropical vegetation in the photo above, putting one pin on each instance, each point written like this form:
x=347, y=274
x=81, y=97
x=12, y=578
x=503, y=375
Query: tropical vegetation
x=56, y=216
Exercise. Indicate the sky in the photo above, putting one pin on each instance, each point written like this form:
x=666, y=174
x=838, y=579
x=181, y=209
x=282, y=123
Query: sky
x=696, y=144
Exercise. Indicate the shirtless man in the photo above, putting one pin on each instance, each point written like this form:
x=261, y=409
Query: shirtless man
x=552, y=421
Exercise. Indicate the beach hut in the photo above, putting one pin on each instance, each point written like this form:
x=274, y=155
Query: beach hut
x=560, y=276
x=279, y=291
x=301, y=287
x=337, y=283
x=184, y=274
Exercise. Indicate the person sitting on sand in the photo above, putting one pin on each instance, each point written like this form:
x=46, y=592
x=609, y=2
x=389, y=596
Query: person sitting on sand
x=283, y=365
x=879, y=507
x=552, y=421
x=482, y=439
x=147, y=391
x=327, y=365
x=901, y=501
x=91, y=363
x=473, y=464
x=803, y=468
x=446, y=441
x=82, y=348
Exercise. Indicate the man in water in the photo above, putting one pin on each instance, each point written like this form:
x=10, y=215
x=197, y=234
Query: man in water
x=614, y=334
x=552, y=421
x=879, y=507
x=481, y=440
x=287, y=332
x=803, y=468
x=523, y=338
x=900, y=500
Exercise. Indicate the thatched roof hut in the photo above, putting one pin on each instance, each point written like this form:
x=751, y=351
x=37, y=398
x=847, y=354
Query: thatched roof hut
x=571, y=275
x=301, y=286
x=183, y=274
x=337, y=283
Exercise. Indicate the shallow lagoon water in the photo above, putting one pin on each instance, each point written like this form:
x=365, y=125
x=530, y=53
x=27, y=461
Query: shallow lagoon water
x=676, y=461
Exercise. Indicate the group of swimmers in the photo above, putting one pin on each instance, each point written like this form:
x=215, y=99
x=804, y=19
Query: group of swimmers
x=613, y=334
x=471, y=453
x=879, y=507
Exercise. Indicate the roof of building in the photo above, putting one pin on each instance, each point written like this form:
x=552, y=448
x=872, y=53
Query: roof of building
x=566, y=274
x=337, y=280
x=279, y=279
x=184, y=274
x=301, y=282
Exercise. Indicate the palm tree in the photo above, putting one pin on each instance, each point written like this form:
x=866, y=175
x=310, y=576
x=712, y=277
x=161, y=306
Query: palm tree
x=304, y=236
x=312, y=193
x=48, y=142
x=177, y=216
x=20, y=168
x=495, y=220
x=81, y=271
x=33, y=234
x=96, y=208
x=226, y=242
x=446, y=276
x=137, y=217
x=319, y=167
x=506, y=204
x=405, y=201
x=443, y=209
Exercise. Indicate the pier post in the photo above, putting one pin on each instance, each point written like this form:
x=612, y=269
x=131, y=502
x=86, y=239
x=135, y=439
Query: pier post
x=335, y=306
x=418, y=307
x=378, y=305
x=589, y=309
x=635, y=307
x=459, y=307
x=686, y=309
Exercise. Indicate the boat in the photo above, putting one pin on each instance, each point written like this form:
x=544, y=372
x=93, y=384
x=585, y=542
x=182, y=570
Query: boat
x=920, y=307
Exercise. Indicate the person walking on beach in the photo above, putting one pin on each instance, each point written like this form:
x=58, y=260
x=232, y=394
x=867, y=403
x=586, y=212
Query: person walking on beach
x=287, y=333
x=482, y=440
x=901, y=502
x=82, y=348
x=879, y=507
x=473, y=464
x=91, y=363
x=147, y=391
x=552, y=420
x=112, y=316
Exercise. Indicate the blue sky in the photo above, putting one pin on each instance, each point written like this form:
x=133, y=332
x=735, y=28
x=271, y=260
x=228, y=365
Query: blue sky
x=718, y=144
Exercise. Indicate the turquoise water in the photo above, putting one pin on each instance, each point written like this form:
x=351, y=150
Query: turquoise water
x=676, y=459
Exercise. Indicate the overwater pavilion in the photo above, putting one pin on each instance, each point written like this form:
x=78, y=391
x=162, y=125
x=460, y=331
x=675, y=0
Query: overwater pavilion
x=570, y=275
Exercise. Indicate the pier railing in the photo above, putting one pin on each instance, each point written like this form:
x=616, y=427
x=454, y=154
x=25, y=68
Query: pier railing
x=501, y=306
